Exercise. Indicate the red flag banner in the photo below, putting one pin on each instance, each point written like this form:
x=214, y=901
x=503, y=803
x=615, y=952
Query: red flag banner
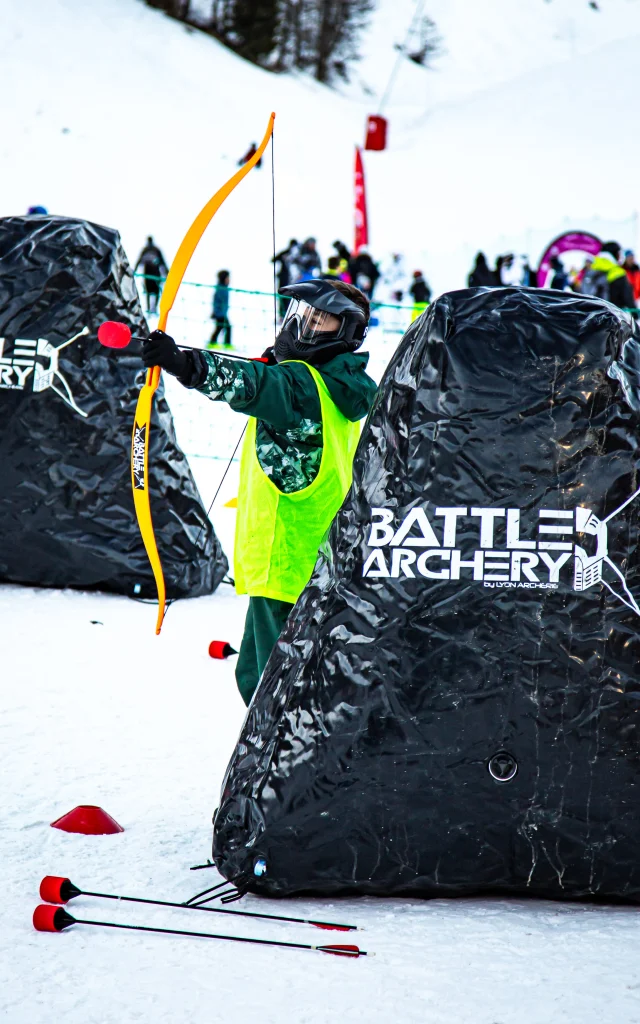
x=362, y=235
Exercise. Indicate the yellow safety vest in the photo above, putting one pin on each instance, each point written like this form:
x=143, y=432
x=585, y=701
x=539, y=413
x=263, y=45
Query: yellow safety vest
x=278, y=535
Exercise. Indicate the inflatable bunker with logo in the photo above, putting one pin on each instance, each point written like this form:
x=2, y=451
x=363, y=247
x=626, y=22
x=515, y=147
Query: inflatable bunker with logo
x=454, y=705
x=67, y=405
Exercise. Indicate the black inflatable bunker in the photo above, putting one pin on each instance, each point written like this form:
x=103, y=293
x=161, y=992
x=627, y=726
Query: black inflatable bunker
x=454, y=705
x=66, y=510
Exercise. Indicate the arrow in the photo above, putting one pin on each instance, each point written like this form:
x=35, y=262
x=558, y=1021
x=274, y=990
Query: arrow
x=56, y=919
x=61, y=890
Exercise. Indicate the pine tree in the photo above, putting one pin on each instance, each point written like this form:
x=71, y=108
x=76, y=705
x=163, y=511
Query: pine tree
x=252, y=27
x=319, y=36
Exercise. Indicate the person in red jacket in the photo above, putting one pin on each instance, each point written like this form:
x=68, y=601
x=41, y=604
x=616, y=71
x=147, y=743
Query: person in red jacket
x=633, y=273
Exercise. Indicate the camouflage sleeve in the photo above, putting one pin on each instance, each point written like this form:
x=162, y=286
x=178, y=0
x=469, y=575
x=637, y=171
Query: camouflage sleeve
x=226, y=379
x=281, y=395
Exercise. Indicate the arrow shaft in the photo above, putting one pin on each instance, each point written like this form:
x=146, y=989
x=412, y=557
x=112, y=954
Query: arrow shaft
x=211, y=935
x=219, y=910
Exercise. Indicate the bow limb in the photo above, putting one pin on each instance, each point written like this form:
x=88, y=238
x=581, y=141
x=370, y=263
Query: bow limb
x=197, y=229
x=142, y=422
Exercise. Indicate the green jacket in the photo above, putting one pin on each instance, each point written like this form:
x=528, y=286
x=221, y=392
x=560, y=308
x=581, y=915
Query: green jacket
x=284, y=399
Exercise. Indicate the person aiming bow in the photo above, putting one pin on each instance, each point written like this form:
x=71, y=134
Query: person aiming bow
x=304, y=406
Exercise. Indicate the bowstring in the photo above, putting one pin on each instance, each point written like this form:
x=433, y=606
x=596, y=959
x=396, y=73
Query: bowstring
x=273, y=231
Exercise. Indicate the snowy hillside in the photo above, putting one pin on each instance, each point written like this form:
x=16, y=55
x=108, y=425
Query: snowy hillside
x=124, y=117
x=487, y=43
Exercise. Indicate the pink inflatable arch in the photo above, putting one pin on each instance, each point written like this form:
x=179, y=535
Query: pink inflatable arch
x=583, y=241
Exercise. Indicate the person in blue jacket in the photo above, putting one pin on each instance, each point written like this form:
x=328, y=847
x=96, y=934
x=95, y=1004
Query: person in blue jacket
x=221, y=310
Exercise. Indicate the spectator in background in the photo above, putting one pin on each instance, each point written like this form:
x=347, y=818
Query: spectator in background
x=394, y=276
x=154, y=269
x=481, y=276
x=420, y=292
x=364, y=272
x=529, y=276
x=343, y=268
x=344, y=257
x=505, y=262
x=337, y=270
x=633, y=273
x=606, y=279
x=37, y=211
x=560, y=279
x=576, y=283
x=252, y=150
x=286, y=273
x=308, y=261
x=342, y=251
x=221, y=310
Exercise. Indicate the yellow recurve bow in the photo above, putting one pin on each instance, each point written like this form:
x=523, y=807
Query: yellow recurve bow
x=142, y=422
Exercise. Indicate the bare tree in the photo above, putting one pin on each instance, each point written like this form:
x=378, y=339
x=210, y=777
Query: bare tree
x=319, y=36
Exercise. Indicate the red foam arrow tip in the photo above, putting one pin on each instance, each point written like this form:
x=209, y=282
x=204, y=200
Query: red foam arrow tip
x=113, y=334
x=51, y=889
x=220, y=649
x=51, y=919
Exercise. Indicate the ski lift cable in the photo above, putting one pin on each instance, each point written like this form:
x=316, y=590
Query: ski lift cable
x=401, y=53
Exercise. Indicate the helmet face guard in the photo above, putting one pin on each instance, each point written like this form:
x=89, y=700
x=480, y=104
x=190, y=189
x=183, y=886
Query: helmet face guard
x=319, y=324
x=316, y=326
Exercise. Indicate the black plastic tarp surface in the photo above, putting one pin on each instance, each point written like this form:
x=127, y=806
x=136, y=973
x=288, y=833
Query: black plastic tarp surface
x=454, y=705
x=66, y=510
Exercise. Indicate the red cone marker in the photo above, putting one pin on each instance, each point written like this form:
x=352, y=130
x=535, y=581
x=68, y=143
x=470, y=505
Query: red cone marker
x=113, y=334
x=220, y=649
x=88, y=820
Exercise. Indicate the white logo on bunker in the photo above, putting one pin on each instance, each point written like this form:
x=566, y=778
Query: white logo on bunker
x=413, y=548
x=36, y=361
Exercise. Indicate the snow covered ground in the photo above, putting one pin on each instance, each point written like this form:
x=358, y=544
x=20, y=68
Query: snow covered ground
x=105, y=712
x=115, y=113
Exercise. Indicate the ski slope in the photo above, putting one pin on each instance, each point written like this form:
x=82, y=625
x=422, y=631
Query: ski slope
x=122, y=116
x=115, y=113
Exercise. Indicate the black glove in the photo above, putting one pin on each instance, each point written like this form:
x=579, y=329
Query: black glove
x=161, y=350
x=270, y=356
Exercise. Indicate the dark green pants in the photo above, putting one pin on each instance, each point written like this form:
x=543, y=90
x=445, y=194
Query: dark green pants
x=262, y=627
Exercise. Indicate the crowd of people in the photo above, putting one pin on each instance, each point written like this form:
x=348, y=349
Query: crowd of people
x=612, y=275
x=300, y=261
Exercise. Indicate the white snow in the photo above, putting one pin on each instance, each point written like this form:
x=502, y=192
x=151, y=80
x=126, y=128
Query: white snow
x=110, y=714
x=114, y=113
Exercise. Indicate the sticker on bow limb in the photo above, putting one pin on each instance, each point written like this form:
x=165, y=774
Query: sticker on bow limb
x=138, y=456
